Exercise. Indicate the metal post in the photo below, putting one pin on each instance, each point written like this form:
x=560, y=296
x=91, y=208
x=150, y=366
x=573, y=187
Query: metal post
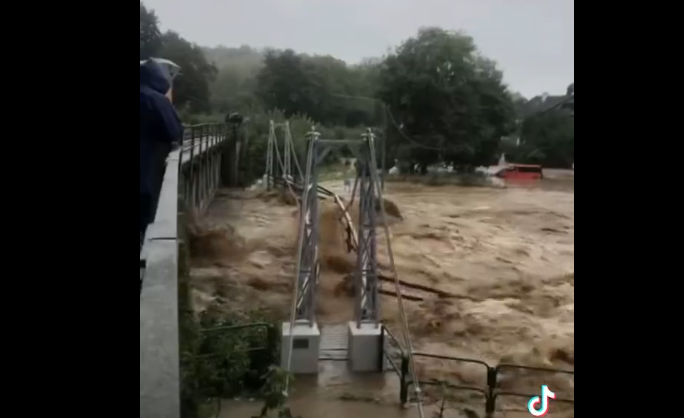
x=200, y=163
x=405, y=371
x=492, y=383
x=232, y=151
x=383, y=347
x=385, y=136
x=288, y=153
x=247, y=160
x=191, y=163
x=270, y=157
x=292, y=156
x=367, y=310
x=278, y=169
x=235, y=155
x=309, y=266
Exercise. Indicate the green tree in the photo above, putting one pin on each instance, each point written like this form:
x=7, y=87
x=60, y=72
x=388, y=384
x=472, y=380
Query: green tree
x=547, y=139
x=244, y=58
x=546, y=132
x=286, y=83
x=447, y=98
x=150, y=36
x=322, y=87
x=191, y=88
x=234, y=89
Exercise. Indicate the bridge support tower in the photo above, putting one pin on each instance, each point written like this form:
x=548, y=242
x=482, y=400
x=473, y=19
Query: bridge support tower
x=301, y=341
x=365, y=332
x=365, y=339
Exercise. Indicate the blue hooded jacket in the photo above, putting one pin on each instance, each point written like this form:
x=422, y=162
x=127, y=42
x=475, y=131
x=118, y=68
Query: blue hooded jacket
x=160, y=125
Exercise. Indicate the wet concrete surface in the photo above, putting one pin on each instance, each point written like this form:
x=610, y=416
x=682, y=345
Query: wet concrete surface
x=335, y=393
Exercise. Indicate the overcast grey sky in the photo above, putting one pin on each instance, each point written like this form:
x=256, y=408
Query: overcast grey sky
x=532, y=40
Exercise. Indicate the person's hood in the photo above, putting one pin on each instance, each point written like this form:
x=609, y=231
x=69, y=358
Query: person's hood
x=152, y=75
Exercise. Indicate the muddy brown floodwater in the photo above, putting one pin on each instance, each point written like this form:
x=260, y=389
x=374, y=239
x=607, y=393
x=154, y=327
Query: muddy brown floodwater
x=507, y=256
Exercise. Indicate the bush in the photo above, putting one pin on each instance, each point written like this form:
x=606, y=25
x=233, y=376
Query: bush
x=222, y=356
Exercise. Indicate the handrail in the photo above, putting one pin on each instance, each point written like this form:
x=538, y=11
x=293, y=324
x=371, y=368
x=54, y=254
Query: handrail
x=491, y=392
x=191, y=131
x=386, y=355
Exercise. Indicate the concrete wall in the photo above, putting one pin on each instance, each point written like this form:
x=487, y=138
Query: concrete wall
x=191, y=175
x=159, y=339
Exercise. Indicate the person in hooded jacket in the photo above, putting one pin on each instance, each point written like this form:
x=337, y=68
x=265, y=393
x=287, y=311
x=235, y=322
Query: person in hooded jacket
x=160, y=128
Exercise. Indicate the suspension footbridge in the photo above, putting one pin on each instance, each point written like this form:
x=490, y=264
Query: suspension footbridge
x=193, y=174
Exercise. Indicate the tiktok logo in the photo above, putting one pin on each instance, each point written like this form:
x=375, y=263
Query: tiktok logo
x=542, y=402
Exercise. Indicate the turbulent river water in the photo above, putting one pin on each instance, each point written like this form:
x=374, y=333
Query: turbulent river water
x=508, y=252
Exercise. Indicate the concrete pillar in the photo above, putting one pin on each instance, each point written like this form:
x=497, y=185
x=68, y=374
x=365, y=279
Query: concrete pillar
x=230, y=164
x=365, y=347
x=227, y=161
x=305, y=341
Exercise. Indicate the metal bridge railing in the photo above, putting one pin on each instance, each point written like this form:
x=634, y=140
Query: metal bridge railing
x=201, y=155
x=270, y=334
x=491, y=393
x=394, y=356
